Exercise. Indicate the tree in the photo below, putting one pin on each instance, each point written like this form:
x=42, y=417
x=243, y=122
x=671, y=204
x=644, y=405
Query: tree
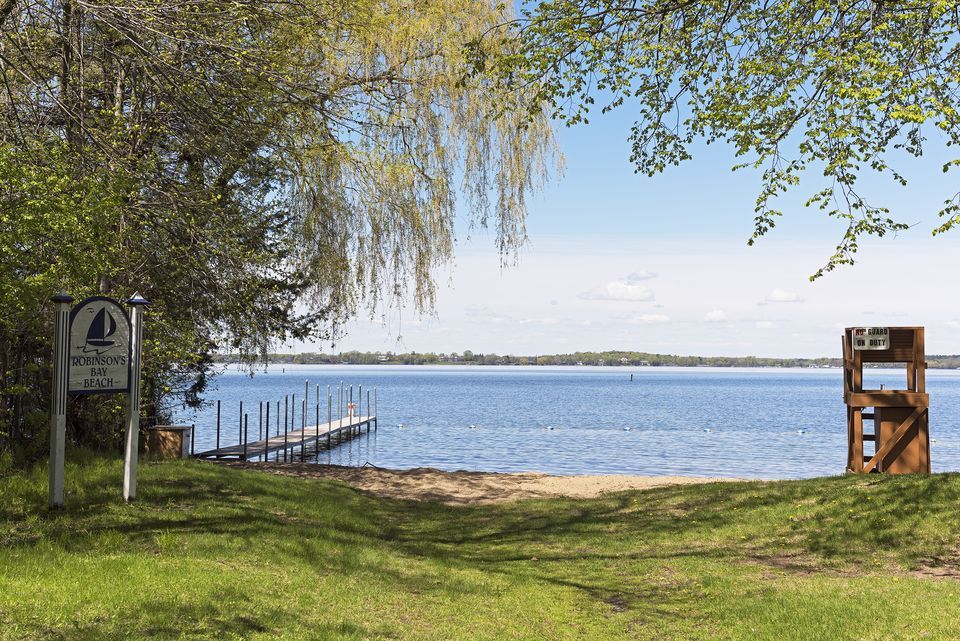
x=261, y=171
x=834, y=87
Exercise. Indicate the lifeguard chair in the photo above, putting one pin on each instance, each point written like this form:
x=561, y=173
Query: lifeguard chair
x=901, y=434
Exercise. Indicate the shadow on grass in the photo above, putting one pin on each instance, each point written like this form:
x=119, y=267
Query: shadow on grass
x=627, y=552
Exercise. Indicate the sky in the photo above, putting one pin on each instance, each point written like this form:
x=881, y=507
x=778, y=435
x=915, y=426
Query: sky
x=618, y=260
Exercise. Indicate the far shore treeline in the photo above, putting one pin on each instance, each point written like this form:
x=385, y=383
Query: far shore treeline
x=609, y=358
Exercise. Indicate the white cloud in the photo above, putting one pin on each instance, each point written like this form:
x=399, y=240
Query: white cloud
x=953, y=323
x=484, y=314
x=539, y=321
x=765, y=325
x=643, y=274
x=620, y=290
x=715, y=316
x=651, y=319
x=782, y=296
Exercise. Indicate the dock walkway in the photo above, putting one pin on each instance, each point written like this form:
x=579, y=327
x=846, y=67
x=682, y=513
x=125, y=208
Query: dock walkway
x=340, y=429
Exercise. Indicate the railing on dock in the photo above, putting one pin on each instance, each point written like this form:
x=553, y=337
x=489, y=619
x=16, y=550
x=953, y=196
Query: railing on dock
x=347, y=424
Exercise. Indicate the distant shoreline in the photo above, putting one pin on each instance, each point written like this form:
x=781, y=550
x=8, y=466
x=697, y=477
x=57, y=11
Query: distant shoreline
x=630, y=360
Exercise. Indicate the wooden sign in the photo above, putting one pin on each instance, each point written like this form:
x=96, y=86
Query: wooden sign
x=99, y=353
x=96, y=349
x=871, y=338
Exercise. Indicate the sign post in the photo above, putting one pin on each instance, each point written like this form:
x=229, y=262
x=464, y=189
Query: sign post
x=96, y=350
x=137, y=302
x=58, y=396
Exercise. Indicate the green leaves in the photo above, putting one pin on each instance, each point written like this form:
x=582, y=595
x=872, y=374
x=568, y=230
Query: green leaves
x=790, y=86
x=261, y=171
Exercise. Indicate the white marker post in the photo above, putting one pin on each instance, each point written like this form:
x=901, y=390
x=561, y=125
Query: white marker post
x=137, y=302
x=58, y=396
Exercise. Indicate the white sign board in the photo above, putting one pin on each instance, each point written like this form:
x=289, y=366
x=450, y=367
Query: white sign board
x=99, y=355
x=871, y=338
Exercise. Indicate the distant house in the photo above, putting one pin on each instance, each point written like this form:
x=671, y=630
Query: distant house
x=382, y=358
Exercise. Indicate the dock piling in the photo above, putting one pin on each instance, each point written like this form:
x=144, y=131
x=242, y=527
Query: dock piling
x=286, y=414
x=303, y=429
x=218, y=424
x=246, y=423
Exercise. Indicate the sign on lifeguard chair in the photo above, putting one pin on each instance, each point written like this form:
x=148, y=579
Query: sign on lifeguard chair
x=901, y=435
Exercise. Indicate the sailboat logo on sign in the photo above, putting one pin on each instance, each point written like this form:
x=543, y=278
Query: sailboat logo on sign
x=101, y=329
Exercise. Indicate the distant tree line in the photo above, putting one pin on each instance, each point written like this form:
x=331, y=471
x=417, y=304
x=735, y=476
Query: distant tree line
x=608, y=358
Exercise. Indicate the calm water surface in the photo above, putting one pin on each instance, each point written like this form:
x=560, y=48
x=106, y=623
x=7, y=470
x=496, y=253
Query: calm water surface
x=749, y=423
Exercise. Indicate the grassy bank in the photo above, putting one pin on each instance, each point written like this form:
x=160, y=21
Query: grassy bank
x=208, y=552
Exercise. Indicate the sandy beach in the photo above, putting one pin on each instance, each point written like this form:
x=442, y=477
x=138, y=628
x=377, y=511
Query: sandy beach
x=468, y=488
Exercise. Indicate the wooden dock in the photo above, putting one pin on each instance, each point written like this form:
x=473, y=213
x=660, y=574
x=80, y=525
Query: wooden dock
x=320, y=435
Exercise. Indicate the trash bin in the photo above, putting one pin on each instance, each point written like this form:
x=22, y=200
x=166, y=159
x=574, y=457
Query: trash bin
x=168, y=441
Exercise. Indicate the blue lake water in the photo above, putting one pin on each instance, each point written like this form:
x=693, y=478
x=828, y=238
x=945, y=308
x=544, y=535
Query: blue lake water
x=747, y=423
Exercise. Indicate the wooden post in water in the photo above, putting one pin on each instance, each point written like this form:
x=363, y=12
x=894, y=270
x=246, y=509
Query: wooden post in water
x=375, y=408
x=266, y=444
x=329, y=415
x=218, y=424
x=316, y=442
x=368, y=411
x=193, y=439
x=286, y=414
x=349, y=412
x=246, y=424
x=277, y=457
x=303, y=429
x=240, y=429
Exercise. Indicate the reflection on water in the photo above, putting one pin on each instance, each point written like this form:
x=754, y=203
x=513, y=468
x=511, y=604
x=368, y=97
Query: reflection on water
x=750, y=423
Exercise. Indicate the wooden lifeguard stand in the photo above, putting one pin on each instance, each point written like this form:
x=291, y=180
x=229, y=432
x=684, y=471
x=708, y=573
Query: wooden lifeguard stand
x=901, y=432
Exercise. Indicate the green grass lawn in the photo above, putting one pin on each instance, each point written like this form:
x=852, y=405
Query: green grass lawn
x=211, y=552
